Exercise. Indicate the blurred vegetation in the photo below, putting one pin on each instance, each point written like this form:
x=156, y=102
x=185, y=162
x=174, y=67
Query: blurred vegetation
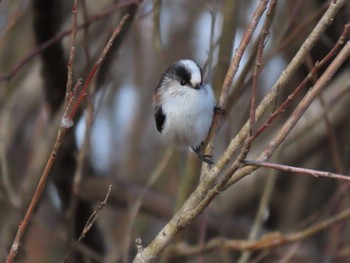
x=149, y=181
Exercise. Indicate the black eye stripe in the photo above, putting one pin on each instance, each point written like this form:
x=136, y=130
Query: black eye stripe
x=179, y=72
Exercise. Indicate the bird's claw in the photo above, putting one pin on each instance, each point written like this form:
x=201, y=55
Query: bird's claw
x=208, y=158
x=219, y=110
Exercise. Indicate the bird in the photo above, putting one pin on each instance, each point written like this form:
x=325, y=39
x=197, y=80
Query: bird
x=184, y=107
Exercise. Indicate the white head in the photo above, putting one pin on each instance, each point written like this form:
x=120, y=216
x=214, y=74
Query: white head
x=182, y=74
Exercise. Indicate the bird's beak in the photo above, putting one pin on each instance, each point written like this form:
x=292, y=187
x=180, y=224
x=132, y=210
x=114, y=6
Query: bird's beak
x=198, y=86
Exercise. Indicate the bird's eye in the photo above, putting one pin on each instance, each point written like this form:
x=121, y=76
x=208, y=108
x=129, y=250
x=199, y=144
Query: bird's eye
x=182, y=82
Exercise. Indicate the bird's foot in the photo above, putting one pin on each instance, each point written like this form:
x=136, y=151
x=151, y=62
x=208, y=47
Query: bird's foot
x=219, y=110
x=204, y=157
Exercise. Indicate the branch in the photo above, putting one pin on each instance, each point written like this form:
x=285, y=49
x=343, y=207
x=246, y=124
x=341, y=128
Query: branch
x=308, y=78
x=135, y=208
x=300, y=170
x=270, y=98
x=89, y=223
x=202, y=195
x=186, y=214
x=232, y=70
x=267, y=241
x=61, y=35
x=258, y=61
x=298, y=112
x=65, y=125
x=96, y=67
x=71, y=55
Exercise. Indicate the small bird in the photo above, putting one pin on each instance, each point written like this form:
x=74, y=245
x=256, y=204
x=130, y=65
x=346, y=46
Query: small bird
x=184, y=107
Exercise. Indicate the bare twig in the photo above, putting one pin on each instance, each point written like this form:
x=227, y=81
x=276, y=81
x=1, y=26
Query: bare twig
x=157, y=38
x=303, y=84
x=61, y=35
x=336, y=155
x=5, y=172
x=269, y=99
x=300, y=170
x=205, y=192
x=232, y=70
x=267, y=241
x=40, y=187
x=191, y=209
x=86, y=33
x=261, y=212
x=96, y=67
x=288, y=36
x=257, y=69
x=298, y=112
x=71, y=55
x=135, y=208
x=304, y=104
x=65, y=125
x=89, y=223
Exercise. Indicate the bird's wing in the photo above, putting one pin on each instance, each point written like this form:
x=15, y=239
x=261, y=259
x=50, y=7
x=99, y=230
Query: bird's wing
x=160, y=117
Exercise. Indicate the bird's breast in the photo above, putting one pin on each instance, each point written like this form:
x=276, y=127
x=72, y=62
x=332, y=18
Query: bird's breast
x=188, y=119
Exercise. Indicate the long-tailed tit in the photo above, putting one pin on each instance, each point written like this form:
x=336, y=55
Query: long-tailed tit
x=184, y=107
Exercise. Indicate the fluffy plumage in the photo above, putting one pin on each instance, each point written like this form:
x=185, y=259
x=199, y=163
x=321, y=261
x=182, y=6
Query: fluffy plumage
x=184, y=105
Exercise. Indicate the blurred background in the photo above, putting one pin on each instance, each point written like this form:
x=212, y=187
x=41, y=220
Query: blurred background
x=115, y=141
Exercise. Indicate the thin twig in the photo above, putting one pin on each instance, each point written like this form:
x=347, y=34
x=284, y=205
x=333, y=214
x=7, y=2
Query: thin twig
x=35, y=199
x=70, y=63
x=156, y=34
x=309, y=78
x=202, y=195
x=335, y=153
x=232, y=70
x=288, y=168
x=191, y=209
x=96, y=67
x=310, y=96
x=134, y=210
x=65, y=125
x=86, y=33
x=89, y=223
x=334, y=143
x=258, y=61
x=267, y=241
x=61, y=35
x=260, y=214
x=196, y=203
x=289, y=35
x=269, y=99
x=83, y=152
x=4, y=170
x=297, y=113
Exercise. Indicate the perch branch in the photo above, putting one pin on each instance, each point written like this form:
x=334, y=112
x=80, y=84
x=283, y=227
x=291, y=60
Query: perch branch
x=270, y=98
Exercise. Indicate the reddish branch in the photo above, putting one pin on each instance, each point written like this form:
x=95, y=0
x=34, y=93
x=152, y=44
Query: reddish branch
x=297, y=113
x=83, y=93
x=61, y=133
x=61, y=35
x=300, y=170
x=309, y=78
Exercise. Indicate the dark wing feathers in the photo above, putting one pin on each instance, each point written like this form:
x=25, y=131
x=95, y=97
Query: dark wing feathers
x=159, y=116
